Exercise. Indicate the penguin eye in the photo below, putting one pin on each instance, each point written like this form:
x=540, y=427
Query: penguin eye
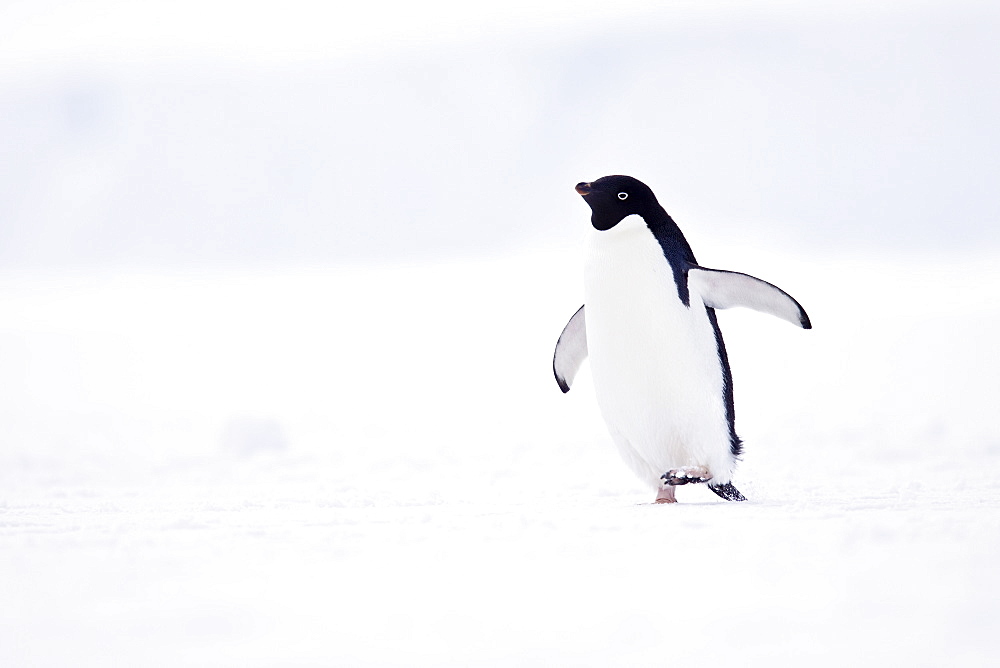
x=622, y=195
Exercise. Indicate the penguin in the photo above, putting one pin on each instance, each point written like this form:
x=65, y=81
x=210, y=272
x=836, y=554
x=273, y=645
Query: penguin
x=648, y=325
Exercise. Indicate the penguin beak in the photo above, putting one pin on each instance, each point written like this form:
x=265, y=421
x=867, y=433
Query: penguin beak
x=583, y=188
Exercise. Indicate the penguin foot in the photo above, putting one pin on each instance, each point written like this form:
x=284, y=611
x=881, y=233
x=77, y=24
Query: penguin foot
x=727, y=492
x=685, y=475
x=666, y=494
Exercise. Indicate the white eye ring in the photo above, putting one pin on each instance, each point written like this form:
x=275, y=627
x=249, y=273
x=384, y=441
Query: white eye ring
x=622, y=195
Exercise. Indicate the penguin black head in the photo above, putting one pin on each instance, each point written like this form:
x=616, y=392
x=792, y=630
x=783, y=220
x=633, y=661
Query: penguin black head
x=612, y=198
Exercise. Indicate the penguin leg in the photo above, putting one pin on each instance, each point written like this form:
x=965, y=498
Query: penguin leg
x=667, y=494
x=685, y=475
x=727, y=492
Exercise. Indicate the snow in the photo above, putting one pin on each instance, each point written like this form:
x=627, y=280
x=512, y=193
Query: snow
x=372, y=465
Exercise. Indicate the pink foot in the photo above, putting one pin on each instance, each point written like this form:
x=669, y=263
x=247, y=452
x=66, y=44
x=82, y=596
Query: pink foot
x=666, y=495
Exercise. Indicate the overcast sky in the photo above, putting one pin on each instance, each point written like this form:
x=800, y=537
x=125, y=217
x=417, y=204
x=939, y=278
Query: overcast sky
x=42, y=31
x=205, y=133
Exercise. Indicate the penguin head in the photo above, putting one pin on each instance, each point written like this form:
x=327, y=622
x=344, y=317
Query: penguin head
x=612, y=198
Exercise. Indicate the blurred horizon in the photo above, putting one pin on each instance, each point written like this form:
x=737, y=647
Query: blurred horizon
x=135, y=141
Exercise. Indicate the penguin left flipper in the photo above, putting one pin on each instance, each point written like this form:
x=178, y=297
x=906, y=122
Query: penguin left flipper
x=571, y=350
x=726, y=289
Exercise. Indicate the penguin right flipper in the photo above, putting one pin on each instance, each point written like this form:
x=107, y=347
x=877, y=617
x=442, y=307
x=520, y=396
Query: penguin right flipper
x=726, y=289
x=571, y=350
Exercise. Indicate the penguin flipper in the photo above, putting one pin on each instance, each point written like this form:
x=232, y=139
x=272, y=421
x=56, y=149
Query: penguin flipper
x=726, y=289
x=571, y=350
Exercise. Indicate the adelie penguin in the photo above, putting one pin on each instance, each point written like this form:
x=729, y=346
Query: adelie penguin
x=648, y=324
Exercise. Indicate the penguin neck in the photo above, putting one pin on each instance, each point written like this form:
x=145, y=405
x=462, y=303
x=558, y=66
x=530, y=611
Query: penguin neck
x=675, y=249
x=675, y=246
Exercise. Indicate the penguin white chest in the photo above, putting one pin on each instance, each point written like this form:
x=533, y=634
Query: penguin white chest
x=655, y=361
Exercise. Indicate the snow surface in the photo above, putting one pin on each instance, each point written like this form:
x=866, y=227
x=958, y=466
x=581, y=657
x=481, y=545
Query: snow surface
x=372, y=466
